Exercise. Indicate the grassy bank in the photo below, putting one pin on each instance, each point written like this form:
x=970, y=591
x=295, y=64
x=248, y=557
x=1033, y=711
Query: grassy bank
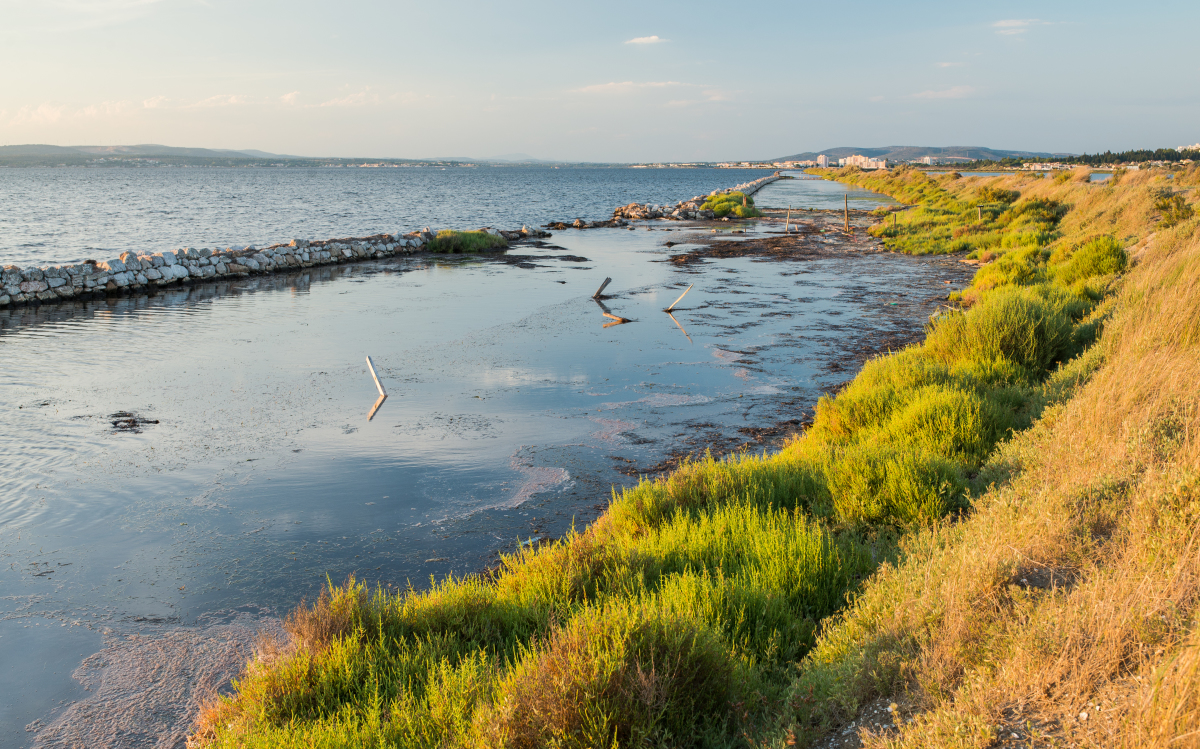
x=451, y=241
x=988, y=576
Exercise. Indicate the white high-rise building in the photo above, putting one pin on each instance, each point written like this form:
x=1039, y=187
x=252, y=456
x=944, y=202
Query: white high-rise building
x=823, y=161
x=863, y=162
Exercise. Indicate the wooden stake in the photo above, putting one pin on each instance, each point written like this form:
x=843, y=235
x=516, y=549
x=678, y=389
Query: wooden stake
x=378, y=384
x=979, y=208
x=893, y=219
x=846, y=199
x=785, y=222
x=600, y=290
x=677, y=301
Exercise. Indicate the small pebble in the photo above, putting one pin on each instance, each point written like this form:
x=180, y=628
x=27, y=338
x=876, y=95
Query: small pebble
x=1083, y=716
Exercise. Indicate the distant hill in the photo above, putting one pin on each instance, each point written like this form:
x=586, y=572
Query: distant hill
x=911, y=153
x=147, y=149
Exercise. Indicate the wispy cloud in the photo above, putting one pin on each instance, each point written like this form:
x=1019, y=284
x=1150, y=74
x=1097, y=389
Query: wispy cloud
x=357, y=99
x=54, y=114
x=289, y=99
x=42, y=114
x=155, y=102
x=646, y=40
x=1014, y=26
x=949, y=64
x=220, y=100
x=624, y=87
x=954, y=92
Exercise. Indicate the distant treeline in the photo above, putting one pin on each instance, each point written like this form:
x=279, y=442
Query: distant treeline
x=1144, y=154
x=1097, y=159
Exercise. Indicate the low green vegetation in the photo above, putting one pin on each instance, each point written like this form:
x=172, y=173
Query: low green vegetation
x=708, y=608
x=731, y=204
x=1173, y=206
x=451, y=241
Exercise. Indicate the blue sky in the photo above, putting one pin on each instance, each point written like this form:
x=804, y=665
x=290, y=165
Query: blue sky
x=618, y=81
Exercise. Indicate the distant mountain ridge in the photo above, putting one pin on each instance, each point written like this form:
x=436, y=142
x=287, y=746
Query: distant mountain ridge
x=912, y=153
x=146, y=149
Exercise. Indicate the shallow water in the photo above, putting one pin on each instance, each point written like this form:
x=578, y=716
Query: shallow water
x=50, y=216
x=512, y=412
x=807, y=191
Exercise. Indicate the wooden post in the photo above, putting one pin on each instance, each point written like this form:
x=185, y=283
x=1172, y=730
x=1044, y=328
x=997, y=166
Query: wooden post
x=378, y=384
x=787, y=220
x=979, y=208
x=600, y=290
x=893, y=219
x=846, y=209
x=680, y=299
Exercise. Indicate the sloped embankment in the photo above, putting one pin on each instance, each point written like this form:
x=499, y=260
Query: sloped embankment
x=984, y=582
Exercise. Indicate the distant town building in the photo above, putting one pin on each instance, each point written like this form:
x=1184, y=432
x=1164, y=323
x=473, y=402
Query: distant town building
x=823, y=161
x=1045, y=166
x=929, y=160
x=863, y=162
x=1189, y=148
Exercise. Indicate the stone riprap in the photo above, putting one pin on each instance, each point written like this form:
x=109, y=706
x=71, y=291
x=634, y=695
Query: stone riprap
x=133, y=272
x=684, y=210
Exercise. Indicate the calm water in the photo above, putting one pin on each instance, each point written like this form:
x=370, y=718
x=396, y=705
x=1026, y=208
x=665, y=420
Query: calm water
x=807, y=191
x=515, y=406
x=52, y=216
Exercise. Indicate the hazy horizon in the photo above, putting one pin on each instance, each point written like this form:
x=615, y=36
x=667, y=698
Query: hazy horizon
x=622, y=83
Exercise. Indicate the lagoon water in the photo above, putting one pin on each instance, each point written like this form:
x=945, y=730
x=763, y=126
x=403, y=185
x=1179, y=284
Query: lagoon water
x=52, y=216
x=515, y=406
x=806, y=191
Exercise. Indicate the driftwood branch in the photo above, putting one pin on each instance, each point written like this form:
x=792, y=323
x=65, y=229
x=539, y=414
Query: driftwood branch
x=680, y=299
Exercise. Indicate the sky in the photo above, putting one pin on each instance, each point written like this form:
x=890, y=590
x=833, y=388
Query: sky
x=612, y=82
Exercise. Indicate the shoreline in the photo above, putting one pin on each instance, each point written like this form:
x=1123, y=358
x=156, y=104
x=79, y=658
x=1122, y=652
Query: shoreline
x=135, y=273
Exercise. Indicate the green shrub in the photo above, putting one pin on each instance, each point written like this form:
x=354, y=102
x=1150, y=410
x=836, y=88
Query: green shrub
x=991, y=194
x=950, y=422
x=1015, y=268
x=1019, y=324
x=614, y=677
x=1099, y=257
x=1173, y=207
x=450, y=241
x=724, y=204
x=876, y=484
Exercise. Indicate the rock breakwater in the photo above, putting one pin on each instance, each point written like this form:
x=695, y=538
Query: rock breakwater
x=684, y=210
x=133, y=272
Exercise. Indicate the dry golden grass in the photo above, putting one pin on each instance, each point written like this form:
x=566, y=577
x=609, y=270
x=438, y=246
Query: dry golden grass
x=1064, y=611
